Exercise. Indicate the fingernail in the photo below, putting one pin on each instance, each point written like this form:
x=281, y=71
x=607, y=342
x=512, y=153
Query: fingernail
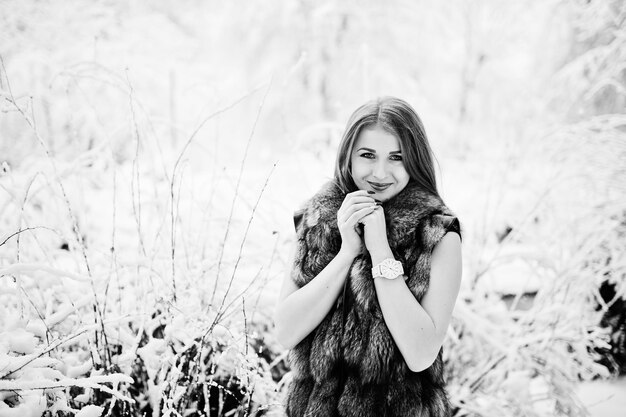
x=379, y=203
x=377, y=200
x=370, y=192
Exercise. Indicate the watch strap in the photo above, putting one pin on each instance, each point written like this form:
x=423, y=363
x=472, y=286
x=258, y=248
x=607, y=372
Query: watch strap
x=389, y=269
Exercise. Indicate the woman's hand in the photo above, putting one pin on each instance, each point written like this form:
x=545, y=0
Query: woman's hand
x=376, y=232
x=355, y=206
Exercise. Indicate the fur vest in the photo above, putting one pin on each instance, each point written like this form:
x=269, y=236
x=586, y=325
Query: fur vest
x=349, y=365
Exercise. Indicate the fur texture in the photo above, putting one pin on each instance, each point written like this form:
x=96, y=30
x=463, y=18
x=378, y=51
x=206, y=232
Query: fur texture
x=350, y=366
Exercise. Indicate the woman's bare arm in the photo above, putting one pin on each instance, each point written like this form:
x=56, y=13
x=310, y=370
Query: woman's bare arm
x=420, y=328
x=300, y=310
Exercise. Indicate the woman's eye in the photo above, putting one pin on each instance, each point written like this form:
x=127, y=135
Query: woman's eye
x=396, y=157
x=367, y=155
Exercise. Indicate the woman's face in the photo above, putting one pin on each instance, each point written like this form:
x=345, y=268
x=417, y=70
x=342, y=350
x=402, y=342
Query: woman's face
x=377, y=163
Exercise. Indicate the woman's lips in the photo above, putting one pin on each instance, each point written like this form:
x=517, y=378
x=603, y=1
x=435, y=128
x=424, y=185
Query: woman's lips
x=376, y=186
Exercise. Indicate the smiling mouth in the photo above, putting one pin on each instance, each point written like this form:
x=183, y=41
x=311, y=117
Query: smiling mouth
x=377, y=186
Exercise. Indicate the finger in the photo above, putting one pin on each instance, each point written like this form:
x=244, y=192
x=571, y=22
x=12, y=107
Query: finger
x=358, y=215
x=358, y=206
x=360, y=199
x=347, y=205
x=355, y=199
x=359, y=192
x=345, y=213
x=378, y=211
x=358, y=195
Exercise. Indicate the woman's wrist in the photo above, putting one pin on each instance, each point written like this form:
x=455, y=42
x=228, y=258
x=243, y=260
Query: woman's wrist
x=380, y=254
x=346, y=254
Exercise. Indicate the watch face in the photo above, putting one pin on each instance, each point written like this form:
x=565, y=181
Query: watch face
x=391, y=269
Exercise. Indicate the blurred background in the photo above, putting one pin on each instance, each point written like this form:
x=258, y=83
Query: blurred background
x=153, y=153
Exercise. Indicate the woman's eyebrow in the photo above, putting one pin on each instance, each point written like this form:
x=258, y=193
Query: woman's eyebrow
x=374, y=151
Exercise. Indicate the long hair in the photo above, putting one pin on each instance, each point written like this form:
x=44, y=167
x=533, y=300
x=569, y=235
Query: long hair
x=397, y=117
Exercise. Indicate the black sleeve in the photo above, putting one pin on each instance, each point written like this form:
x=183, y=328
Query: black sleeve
x=297, y=219
x=452, y=224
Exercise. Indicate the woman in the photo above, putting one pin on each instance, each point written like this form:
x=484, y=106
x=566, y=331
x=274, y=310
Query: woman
x=375, y=277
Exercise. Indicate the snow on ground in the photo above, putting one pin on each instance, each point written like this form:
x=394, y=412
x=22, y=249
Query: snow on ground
x=604, y=398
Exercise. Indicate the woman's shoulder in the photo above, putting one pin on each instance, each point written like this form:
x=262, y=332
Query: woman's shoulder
x=450, y=223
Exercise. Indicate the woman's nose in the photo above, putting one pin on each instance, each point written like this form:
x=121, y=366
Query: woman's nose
x=380, y=170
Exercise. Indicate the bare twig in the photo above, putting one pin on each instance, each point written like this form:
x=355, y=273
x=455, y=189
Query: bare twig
x=243, y=241
x=267, y=275
x=173, y=179
x=48, y=332
x=135, y=177
x=27, y=360
x=234, y=200
x=225, y=311
x=30, y=183
x=26, y=229
x=14, y=269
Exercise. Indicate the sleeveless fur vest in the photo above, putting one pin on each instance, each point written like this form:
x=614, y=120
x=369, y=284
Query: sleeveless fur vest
x=349, y=365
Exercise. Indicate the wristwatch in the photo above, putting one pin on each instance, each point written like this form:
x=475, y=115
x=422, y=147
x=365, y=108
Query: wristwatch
x=389, y=269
